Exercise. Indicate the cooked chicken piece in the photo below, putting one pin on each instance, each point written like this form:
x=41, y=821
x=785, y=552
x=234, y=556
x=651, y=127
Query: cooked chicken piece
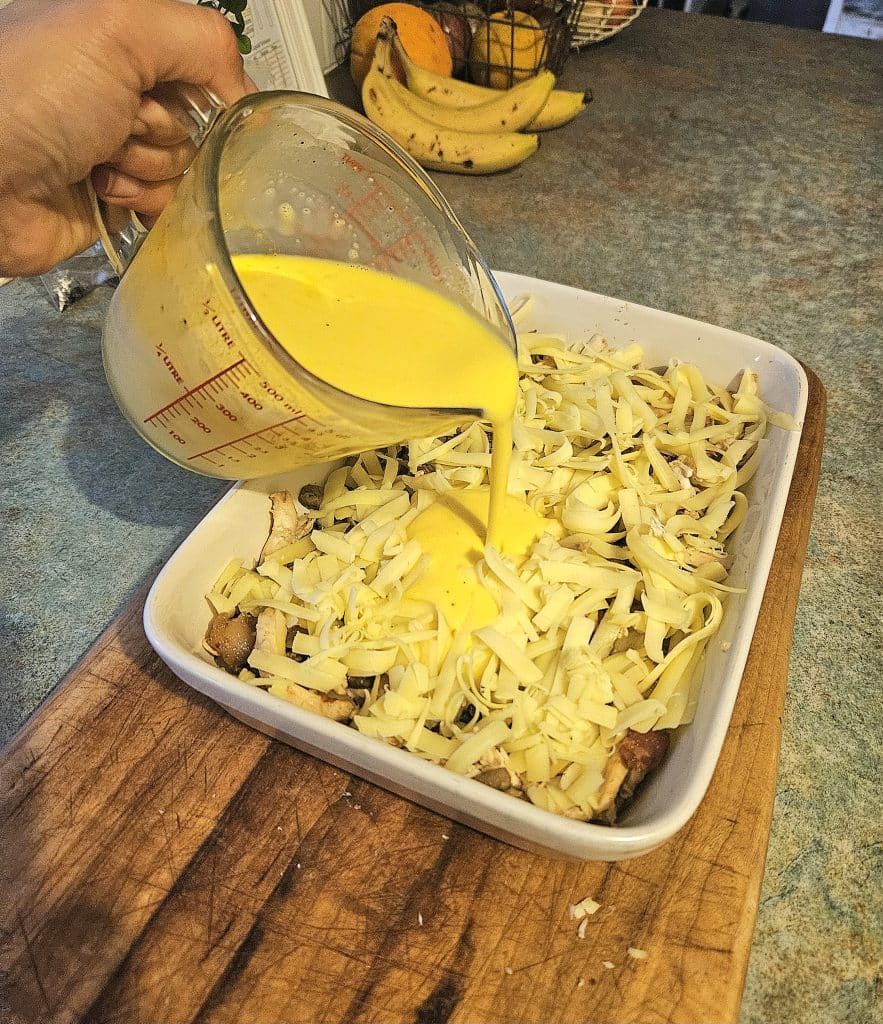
x=613, y=779
x=287, y=525
x=230, y=640
x=328, y=705
x=697, y=558
x=493, y=758
x=683, y=470
x=270, y=632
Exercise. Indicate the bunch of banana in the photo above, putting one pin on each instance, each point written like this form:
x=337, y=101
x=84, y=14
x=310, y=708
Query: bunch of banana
x=479, y=140
x=560, y=107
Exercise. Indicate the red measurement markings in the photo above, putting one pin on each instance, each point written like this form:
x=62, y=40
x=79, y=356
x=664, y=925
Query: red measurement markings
x=211, y=386
x=373, y=240
x=408, y=246
x=239, y=441
x=377, y=194
x=351, y=161
x=379, y=204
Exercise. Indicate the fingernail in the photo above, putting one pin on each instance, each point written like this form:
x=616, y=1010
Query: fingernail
x=112, y=185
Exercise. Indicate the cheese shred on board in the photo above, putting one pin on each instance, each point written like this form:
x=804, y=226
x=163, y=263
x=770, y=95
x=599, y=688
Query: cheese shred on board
x=567, y=694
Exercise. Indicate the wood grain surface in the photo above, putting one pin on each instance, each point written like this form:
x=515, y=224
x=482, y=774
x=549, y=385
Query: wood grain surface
x=163, y=864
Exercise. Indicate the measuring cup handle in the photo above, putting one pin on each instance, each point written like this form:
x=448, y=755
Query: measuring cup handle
x=120, y=230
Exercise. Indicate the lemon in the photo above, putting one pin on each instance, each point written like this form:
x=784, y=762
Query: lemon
x=506, y=49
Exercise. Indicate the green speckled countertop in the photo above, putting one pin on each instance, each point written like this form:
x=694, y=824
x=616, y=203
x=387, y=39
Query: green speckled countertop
x=728, y=171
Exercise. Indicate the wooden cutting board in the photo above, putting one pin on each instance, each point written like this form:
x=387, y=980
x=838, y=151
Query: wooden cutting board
x=162, y=863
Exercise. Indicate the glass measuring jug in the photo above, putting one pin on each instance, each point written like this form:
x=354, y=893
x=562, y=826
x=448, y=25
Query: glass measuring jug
x=187, y=354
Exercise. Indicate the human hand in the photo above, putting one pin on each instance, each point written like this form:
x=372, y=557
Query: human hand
x=73, y=77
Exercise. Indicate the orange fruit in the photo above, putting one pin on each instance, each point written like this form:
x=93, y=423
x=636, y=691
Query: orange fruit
x=421, y=35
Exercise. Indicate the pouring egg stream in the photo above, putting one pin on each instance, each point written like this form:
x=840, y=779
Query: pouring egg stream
x=388, y=340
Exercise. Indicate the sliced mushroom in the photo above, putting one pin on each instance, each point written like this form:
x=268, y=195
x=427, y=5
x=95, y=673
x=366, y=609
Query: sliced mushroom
x=311, y=495
x=628, y=639
x=643, y=751
x=638, y=754
x=496, y=778
x=287, y=526
x=291, y=633
x=328, y=705
x=230, y=639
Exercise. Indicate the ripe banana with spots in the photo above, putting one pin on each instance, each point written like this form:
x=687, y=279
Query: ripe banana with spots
x=561, y=106
x=507, y=111
x=433, y=145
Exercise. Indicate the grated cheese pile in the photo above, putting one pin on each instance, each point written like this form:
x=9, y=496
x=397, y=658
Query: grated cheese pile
x=599, y=630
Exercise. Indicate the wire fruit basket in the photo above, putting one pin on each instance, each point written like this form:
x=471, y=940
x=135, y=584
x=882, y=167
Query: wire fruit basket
x=500, y=42
x=600, y=21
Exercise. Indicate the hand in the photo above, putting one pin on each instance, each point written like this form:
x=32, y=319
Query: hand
x=73, y=78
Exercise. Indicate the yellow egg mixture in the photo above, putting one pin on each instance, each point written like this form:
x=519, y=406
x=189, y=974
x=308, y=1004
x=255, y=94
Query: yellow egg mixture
x=391, y=341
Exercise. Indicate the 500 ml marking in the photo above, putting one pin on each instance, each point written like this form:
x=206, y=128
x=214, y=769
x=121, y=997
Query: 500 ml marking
x=216, y=404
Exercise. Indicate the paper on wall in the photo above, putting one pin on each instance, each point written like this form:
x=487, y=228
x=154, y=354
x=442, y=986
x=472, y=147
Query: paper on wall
x=283, y=53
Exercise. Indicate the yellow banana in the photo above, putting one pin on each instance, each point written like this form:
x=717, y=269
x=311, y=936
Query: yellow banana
x=562, y=105
x=434, y=146
x=506, y=112
x=503, y=111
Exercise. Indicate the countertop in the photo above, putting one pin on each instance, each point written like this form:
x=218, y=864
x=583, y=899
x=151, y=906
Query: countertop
x=728, y=171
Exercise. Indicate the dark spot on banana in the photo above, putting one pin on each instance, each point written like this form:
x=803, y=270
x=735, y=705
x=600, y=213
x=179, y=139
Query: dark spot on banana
x=467, y=163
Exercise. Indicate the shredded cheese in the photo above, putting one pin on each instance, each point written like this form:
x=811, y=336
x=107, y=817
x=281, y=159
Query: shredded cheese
x=600, y=628
x=577, y=911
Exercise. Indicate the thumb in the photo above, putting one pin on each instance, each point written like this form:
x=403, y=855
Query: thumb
x=181, y=42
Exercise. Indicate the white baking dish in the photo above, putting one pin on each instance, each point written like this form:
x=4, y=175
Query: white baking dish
x=176, y=614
